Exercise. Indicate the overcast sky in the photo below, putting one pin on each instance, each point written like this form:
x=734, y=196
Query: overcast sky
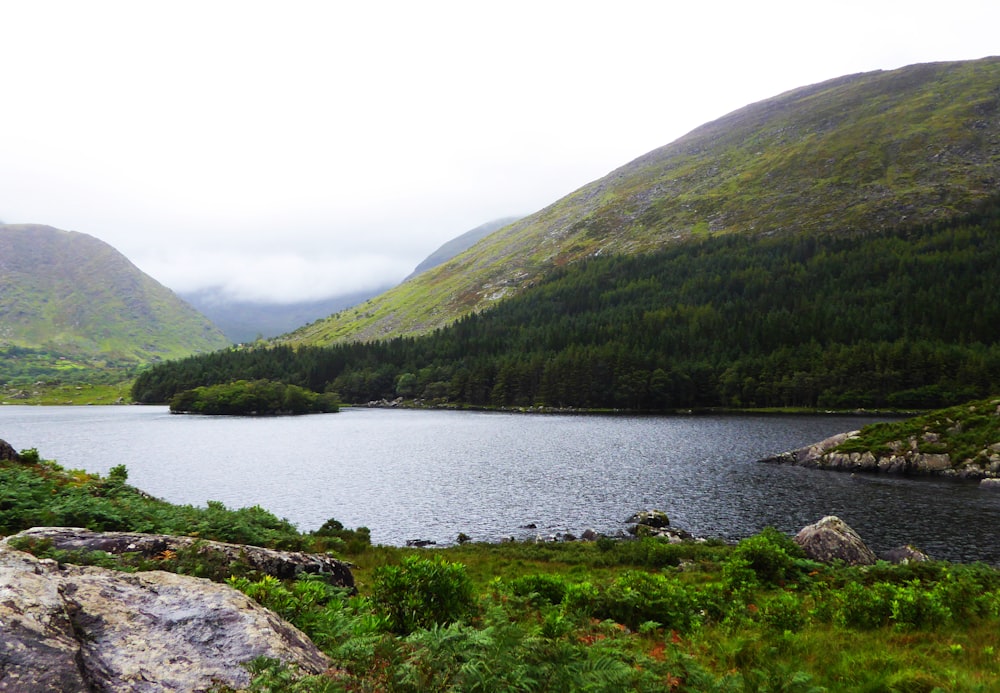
x=291, y=150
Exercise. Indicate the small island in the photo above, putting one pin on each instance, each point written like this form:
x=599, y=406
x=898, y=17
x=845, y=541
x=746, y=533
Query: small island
x=253, y=398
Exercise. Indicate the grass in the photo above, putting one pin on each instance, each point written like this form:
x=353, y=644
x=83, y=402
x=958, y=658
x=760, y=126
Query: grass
x=964, y=432
x=85, y=393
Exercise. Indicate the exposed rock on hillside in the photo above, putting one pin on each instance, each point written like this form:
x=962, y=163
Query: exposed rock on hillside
x=72, y=628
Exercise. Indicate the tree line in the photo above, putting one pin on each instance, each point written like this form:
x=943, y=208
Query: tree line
x=907, y=318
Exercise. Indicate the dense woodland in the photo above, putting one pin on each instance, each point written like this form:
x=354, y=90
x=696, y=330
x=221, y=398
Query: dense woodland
x=907, y=318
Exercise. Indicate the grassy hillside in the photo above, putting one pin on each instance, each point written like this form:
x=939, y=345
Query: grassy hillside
x=853, y=155
x=71, y=306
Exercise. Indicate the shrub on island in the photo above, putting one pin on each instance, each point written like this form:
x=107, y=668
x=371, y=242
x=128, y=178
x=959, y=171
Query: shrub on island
x=253, y=398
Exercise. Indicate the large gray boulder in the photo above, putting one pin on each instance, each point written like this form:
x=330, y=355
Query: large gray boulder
x=831, y=539
x=280, y=564
x=71, y=628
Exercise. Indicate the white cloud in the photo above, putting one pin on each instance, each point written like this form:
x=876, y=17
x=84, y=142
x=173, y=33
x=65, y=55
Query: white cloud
x=208, y=141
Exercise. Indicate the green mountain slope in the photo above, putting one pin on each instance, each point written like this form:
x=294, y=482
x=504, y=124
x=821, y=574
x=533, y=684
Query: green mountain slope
x=70, y=302
x=853, y=155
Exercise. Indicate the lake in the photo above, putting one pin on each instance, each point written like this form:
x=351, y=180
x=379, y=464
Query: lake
x=432, y=474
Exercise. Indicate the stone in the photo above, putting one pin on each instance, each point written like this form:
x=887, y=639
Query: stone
x=8, y=453
x=906, y=554
x=931, y=462
x=831, y=539
x=280, y=564
x=74, y=628
x=991, y=484
x=650, y=518
x=811, y=454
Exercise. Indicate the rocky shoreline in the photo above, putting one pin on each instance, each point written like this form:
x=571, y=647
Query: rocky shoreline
x=904, y=457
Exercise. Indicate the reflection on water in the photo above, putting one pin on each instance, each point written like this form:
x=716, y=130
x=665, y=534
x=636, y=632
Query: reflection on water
x=431, y=475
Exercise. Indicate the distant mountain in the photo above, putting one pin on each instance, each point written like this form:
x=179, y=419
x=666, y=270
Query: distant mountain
x=247, y=321
x=853, y=155
x=459, y=244
x=70, y=302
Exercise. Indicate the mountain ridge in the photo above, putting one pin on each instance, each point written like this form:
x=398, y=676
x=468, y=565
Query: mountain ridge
x=75, y=297
x=852, y=154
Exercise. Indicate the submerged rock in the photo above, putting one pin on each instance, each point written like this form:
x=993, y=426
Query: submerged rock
x=71, y=628
x=831, y=539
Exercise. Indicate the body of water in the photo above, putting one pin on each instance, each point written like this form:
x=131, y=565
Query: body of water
x=433, y=474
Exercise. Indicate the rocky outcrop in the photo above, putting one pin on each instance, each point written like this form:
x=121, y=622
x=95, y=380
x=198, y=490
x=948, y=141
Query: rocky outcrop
x=8, y=453
x=71, y=628
x=655, y=523
x=280, y=564
x=903, y=457
x=657, y=519
x=831, y=539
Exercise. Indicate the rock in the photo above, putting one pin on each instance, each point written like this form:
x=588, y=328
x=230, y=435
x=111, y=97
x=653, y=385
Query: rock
x=928, y=463
x=991, y=484
x=811, y=454
x=8, y=453
x=589, y=535
x=906, y=554
x=650, y=518
x=74, y=628
x=420, y=543
x=831, y=539
x=280, y=564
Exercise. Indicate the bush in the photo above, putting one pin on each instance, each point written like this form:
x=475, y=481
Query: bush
x=770, y=555
x=637, y=597
x=421, y=592
x=539, y=588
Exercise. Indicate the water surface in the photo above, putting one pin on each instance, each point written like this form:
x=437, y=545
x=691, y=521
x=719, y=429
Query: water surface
x=433, y=474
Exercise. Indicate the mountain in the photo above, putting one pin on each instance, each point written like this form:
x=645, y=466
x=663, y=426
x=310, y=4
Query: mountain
x=247, y=321
x=853, y=155
x=71, y=303
x=460, y=244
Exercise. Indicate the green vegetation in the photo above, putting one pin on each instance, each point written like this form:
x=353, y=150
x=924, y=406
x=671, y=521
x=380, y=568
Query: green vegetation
x=53, y=392
x=968, y=433
x=259, y=397
x=643, y=614
x=903, y=319
x=38, y=493
x=860, y=154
